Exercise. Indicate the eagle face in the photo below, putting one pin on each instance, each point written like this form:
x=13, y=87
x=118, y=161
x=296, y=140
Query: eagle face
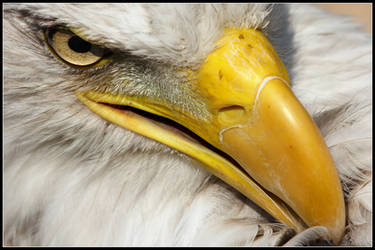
x=116, y=105
x=150, y=51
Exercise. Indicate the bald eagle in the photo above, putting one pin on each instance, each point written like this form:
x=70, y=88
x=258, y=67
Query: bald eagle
x=185, y=125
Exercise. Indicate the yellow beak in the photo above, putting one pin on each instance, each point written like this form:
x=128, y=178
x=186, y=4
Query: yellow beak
x=253, y=117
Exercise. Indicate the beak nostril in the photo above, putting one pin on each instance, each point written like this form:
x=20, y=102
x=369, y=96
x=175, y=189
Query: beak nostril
x=231, y=114
x=231, y=107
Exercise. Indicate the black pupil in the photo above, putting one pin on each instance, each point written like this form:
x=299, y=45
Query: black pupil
x=79, y=45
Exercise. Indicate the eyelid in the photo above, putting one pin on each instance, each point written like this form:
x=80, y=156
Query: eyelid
x=80, y=33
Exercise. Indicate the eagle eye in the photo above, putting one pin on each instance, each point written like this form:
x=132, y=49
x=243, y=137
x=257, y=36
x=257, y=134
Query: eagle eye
x=72, y=49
